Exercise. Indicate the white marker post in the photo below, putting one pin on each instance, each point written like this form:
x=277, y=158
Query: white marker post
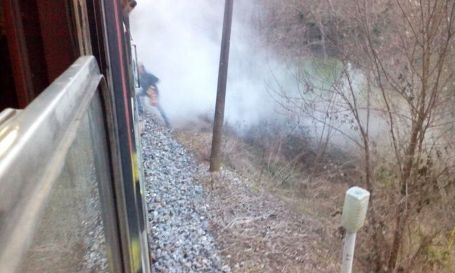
x=352, y=219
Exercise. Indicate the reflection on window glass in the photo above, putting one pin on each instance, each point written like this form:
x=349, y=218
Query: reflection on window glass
x=70, y=236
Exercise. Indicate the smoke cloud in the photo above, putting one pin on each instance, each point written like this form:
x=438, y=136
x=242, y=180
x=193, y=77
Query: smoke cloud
x=179, y=41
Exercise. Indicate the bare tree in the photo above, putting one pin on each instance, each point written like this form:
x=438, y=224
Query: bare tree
x=404, y=51
x=416, y=73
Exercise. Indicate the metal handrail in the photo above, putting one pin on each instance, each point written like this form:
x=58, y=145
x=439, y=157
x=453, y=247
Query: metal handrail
x=33, y=145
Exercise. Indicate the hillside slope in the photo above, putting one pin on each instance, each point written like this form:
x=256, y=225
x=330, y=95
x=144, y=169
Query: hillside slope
x=253, y=230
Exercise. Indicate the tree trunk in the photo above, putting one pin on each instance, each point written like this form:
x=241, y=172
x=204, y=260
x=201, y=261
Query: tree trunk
x=372, y=215
x=401, y=217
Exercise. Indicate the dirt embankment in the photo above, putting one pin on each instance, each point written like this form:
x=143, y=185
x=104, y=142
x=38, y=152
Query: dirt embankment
x=261, y=226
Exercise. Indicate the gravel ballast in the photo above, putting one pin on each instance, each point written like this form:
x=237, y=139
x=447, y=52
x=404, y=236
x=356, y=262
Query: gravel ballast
x=176, y=211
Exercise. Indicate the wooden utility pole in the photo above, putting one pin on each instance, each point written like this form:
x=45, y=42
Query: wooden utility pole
x=215, y=157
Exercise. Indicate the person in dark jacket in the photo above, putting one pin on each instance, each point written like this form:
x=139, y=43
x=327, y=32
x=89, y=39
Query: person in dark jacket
x=147, y=79
x=149, y=90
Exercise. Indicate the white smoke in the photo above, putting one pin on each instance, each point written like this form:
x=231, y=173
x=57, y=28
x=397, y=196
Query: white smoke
x=179, y=41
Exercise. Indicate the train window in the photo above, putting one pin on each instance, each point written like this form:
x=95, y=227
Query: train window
x=70, y=236
x=56, y=203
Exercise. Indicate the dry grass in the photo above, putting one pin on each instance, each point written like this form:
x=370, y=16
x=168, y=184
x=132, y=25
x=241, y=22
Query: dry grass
x=258, y=232
x=262, y=225
x=266, y=226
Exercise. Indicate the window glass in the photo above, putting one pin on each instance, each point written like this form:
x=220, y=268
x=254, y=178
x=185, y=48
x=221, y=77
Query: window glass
x=70, y=236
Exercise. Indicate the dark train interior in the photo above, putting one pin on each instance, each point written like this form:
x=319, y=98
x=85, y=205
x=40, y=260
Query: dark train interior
x=35, y=56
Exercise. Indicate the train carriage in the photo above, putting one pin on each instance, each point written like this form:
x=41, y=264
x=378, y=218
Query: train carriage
x=70, y=191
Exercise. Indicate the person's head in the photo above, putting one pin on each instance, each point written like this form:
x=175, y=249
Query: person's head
x=129, y=7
